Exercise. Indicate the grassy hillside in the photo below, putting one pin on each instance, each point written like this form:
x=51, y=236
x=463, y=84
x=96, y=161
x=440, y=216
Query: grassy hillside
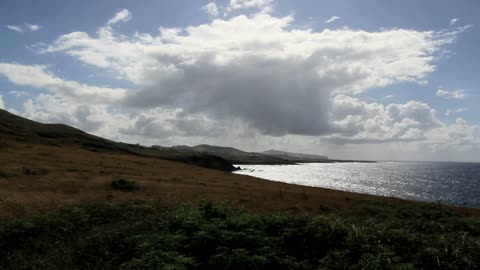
x=21, y=129
x=211, y=236
x=37, y=177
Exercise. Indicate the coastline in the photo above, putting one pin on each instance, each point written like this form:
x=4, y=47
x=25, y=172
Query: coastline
x=445, y=184
x=68, y=175
x=298, y=161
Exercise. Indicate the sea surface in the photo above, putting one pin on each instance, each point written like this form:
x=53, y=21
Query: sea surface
x=445, y=182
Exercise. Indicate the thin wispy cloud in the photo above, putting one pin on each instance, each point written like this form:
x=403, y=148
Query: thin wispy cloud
x=32, y=27
x=454, y=21
x=264, y=5
x=18, y=93
x=454, y=94
x=122, y=16
x=14, y=28
x=211, y=9
x=449, y=112
x=332, y=19
x=26, y=27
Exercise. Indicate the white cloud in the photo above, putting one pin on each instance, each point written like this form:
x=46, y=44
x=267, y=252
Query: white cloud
x=361, y=122
x=379, y=57
x=332, y=19
x=263, y=63
x=454, y=94
x=449, y=112
x=18, y=93
x=211, y=9
x=459, y=134
x=2, y=105
x=157, y=123
x=32, y=27
x=87, y=116
x=263, y=5
x=15, y=28
x=40, y=77
x=122, y=16
x=460, y=110
x=409, y=131
x=389, y=96
x=454, y=21
x=106, y=120
x=25, y=28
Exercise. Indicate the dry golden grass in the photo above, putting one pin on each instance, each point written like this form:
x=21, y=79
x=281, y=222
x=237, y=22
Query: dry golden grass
x=35, y=177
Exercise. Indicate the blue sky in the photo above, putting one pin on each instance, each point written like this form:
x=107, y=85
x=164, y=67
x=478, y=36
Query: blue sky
x=194, y=85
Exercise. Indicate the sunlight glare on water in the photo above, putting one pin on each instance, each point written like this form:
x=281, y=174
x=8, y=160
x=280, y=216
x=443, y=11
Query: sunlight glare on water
x=452, y=183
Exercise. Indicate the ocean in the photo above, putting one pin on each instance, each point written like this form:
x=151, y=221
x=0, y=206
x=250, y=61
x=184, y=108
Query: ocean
x=446, y=182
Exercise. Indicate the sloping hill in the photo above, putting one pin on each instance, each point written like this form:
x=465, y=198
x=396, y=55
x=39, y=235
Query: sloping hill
x=58, y=134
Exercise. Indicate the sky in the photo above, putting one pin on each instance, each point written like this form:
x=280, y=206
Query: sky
x=371, y=79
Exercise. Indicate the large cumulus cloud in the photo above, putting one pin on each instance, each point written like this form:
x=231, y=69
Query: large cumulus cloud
x=362, y=122
x=242, y=77
x=259, y=69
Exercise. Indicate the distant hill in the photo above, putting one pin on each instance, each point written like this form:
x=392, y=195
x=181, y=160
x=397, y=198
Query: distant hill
x=273, y=157
x=293, y=155
x=213, y=149
x=234, y=155
x=237, y=156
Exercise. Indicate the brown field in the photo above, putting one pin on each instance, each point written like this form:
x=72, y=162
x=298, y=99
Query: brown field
x=37, y=177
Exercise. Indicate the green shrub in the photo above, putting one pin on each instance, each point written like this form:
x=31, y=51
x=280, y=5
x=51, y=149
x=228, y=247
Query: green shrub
x=213, y=236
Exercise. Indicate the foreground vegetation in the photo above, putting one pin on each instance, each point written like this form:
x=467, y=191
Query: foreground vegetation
x=144, y=235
